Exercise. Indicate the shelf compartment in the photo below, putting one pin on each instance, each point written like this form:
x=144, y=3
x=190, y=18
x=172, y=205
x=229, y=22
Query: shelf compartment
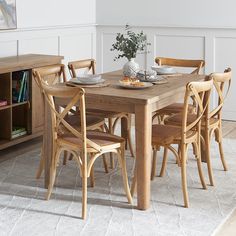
x=20, y=86
x=20, y=120
x=5, y=124
x=5, y=88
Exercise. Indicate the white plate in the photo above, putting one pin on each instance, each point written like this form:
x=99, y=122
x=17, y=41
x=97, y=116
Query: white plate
x=148, y=72
x=130, y=86
x=77, y=81
x=86, y=77
x=164, y=70
x=152, y=78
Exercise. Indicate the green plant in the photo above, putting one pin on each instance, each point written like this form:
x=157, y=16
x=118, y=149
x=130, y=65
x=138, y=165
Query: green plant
x=129, y=44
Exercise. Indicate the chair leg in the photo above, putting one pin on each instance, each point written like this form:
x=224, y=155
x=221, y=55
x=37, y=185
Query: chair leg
x=41, y=166
x=183, y=175
x=84, y=191
x=110, y=127
x=130, y=142
x=218, y=134
x=92, y=182
x=154, y=164
x=121, y=158
x=197, y=153
x=208, y=159
x=222, y=156
x=105, y=163
x=65, y=157
x=134, y=182
x=53, y=174
x=163, y=167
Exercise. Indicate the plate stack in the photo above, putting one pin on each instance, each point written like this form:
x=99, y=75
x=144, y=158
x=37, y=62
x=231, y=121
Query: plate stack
x=87, y=79
x=163, y=70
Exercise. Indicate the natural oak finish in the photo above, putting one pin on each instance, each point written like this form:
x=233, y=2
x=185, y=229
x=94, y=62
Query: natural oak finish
x=28, y=113
x=212, y=120
x=112, y=117
x=177, y=107
x=81, y=143
x=187, y=133
x=52, y=75
x=114, y=98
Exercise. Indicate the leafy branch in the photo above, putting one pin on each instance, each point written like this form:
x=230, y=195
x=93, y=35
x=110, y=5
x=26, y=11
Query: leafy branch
x=129, y=44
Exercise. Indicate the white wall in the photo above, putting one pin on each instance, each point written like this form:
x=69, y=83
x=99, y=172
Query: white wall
x=207, y=13
x=53, y=27
x=44, y=13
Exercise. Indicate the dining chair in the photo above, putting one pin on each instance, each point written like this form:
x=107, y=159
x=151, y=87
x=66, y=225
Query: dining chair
x=188, y=133
x=184, y=63
x=212, y=120
x=56, y=74
x=86, y=146
x=112, y=117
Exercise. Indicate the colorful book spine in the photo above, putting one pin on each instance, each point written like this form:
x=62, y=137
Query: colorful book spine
x=18, y=134
x=18, y=131
x=3, y=103
x=22, y=84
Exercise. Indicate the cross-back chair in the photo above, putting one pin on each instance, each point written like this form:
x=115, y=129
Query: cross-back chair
x=56, y=74
x=80, y=143
x=212, y=120
x=112, y=117
x=174, y=108
x=187, y=133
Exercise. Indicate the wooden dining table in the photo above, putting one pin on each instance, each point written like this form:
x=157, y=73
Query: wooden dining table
x=140, y=102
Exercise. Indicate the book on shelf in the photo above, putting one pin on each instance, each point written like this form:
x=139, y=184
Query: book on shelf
x=3, y=103
x=18, y=134
x=20, y=86
x=18, y=131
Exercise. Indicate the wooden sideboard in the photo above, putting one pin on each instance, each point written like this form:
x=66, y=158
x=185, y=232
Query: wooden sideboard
x=23, y=119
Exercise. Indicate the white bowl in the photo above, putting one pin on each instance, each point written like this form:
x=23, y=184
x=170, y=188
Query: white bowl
x=91, y=78
x=163, y=69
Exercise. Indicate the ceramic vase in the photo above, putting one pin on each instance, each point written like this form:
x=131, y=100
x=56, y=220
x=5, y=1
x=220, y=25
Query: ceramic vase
x=130, y=68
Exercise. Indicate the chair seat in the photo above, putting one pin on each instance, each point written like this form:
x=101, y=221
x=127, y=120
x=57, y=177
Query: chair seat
x=175, y=108
x=104, y=114
x=164, y=134
x=167, y=134
x=92, y=122
x=176, y=120
x=104, y=140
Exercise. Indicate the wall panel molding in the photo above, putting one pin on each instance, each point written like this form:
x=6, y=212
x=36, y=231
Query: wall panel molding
x=217, y=46
x=45, y=40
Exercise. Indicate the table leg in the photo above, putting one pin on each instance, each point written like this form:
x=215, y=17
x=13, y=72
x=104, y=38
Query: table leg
x=143, y=124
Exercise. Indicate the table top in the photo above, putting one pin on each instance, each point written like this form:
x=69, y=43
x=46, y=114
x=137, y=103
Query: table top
x=176, y=84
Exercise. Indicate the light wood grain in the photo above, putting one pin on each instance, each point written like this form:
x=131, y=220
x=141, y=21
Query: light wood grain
x=212, y=120
x=9, y=67
x=187, y=133
x=112, y=117
x=79, y=143
x=175, y=108
x=141, y=103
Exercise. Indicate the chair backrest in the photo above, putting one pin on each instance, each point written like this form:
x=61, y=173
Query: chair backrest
x=197, y=64
x=74, y=96
x=220, y=80
x=50, y=74
x=199, y=92
x=88, y=64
